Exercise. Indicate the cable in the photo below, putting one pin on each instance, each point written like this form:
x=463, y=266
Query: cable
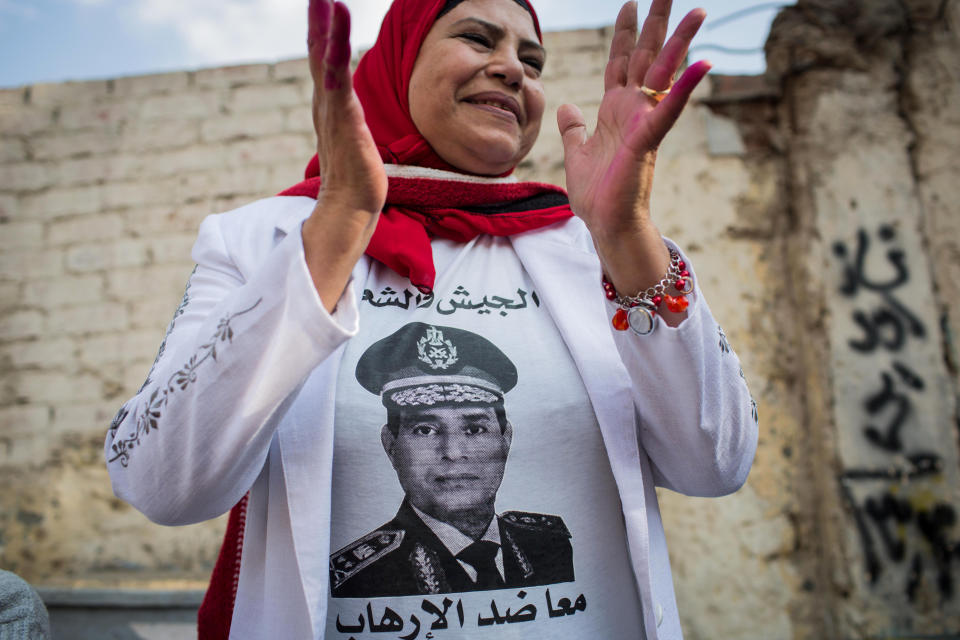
x=736, y=15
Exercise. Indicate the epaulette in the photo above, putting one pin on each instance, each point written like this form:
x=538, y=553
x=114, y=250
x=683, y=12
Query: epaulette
x=536, y=522
x=363, y=552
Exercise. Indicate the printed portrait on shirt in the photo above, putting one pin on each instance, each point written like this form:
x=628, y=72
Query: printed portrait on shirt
x=447, y=436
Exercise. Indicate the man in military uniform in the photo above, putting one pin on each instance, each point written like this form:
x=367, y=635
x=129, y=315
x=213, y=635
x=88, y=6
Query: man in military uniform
x=447, y=437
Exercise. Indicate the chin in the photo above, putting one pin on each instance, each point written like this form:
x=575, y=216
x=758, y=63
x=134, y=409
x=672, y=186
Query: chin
x=488, y=155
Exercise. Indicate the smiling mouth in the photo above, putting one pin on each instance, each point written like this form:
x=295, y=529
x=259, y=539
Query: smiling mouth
x=496, y=106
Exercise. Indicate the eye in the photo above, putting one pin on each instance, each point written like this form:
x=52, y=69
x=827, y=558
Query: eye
x=477, y=38
x=535, y=63
x=423, y=430
x=475, y=429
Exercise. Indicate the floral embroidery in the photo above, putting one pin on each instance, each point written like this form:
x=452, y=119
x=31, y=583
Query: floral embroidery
x=148, y=419
x=163, y=345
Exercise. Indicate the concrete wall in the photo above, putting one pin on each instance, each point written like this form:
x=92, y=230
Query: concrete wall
x=776, y=187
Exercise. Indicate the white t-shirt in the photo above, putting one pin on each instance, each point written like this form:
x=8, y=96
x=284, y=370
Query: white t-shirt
x=454, y=521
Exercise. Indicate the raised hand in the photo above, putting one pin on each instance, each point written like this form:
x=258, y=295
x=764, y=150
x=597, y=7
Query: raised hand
x=354, y=186
x=610, y=173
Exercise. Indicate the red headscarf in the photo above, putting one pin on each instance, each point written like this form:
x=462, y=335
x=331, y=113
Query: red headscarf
x=420, y=207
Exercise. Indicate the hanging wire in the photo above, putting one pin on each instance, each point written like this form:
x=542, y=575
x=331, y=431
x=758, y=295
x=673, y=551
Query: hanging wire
x=742, y=13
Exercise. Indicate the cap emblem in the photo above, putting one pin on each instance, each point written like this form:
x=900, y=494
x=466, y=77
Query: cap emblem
x=436, y=352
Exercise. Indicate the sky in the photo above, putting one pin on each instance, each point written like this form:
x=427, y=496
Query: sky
x=59, y=40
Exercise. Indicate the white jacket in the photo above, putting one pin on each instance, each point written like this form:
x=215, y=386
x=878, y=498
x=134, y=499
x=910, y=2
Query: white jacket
x=241, y=398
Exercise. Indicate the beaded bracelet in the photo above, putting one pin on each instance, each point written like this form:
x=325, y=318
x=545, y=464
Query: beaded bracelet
x=639, y=312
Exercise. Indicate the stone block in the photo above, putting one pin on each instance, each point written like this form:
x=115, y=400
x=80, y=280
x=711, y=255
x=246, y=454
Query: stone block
x=119, y=349
x=120, y=195
x=12, y=150
x=252, y=180
x=584, y=64
x=266, y=97
x=39, y=387
x=159, y=134
x=299, y=120
x=84, y=417
x=559, y=43
x=181, y=106
x=81, y=171
x=24, y=419
x=56, y=94
x=9, y=295
x=246, y=125
x=13, y=97
x=42, y=353
x=297, y=68
x=26, y=120
x=269, y=149
x=154, y=313
x=26, y=176
x=164, y=282
x=87, y=319
x=101, y=227
x=171, y=249
x=229, y=77
x=139, y=86
x=185, y=161
x=21, y=324
x=22, y=265
x=50, y=293
x=128, y=252
x=147, y=220
x=62, y=202
x=20, y=235
x=9, y=206
x=105, y=116
x=57, y=146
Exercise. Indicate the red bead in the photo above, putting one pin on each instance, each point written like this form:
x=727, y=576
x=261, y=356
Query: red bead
x=656, y=300
x=681, y=265
x=680, y=284
x=684, y=274
x=678, y=304
x=620, y=322
x=611, y=294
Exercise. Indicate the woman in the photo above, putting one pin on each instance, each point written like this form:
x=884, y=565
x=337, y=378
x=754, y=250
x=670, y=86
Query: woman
x=524, y=435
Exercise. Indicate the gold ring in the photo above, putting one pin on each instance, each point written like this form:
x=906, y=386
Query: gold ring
x=653, y=93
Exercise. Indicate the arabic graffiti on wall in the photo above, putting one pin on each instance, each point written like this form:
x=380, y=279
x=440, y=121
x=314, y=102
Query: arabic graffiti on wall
x=436, y=615
x=898, y=500
x=459, y=300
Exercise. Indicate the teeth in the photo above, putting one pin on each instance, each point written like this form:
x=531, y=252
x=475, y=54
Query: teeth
x=492, y=104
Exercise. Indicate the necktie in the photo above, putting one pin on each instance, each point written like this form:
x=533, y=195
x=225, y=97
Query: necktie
x=481, y=556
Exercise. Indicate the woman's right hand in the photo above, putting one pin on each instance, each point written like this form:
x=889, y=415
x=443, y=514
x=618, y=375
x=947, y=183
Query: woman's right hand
x=354, y=187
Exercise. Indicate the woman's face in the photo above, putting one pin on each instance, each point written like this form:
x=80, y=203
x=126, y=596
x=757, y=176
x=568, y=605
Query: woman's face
x=475, y=93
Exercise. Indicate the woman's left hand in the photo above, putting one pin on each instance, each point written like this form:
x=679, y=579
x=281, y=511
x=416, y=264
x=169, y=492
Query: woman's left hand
x=610, y=174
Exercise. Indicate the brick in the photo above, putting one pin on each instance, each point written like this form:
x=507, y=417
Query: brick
x=44, y=353
x=120, y=195
x=29, y=450
x=119, y=349
x=109, y=116
x=82, y=171
x=24, y=419
x=251, y=181
x=12, y=150
x=59, y=93
x=91, y=318
x=26, y=120
x=583, y=64
x=83, y=417
x=163, y=282
x=154, y=313
x=62, y=202
x=296, y=69
x=171, y=249
x=26, y=176
x=228, y=77
x=225, y=127
x=9, y=295
x=100, y=257
x=54, y=387
x=137, y=86
x=20, y=265
x=20, y=235
x=17, y=325
x=143, y=221
x=9, y=206
x=57, y=292
x=100, y=227
x=268, y=150
x=299, y=120
x=68, y=145
x=185, y=161
x=561, y=42
x=11, y=98
x=183, y=106
x=267, y=97
x=159, y=134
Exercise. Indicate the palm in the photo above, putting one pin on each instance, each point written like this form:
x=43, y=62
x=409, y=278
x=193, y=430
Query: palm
x=609, y=174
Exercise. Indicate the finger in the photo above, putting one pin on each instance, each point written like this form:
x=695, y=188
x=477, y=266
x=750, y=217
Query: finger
x=662, y=119
x=622, y=45
x=573, y=128
x=319, y=14
x=337, y=60
x=665, y=66
x=652, y=35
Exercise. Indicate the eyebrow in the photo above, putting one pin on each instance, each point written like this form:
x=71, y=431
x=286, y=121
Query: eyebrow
x=500, y=32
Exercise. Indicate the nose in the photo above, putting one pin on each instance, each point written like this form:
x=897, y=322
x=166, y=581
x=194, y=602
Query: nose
x=506, y=66
x=453, y=446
